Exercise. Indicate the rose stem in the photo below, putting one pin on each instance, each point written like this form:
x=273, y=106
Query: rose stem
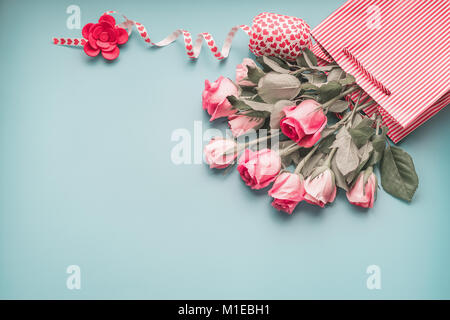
x=377, y=132
x=330, y=156
x=344, y=120
x=327, y=104
x=248, y=144
x=305, y=159
x=356, y=106
x=289, y=149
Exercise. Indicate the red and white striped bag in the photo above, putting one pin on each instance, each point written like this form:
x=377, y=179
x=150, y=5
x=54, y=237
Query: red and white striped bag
x=398, y=52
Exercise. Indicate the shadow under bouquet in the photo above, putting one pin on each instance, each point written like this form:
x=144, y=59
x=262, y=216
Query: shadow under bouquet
x=294, y=127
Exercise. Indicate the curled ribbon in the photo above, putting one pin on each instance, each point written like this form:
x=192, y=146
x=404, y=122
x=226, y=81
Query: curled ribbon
x=270, y=34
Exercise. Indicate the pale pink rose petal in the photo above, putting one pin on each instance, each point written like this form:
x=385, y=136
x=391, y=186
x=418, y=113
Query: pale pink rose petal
x=308, y=141
x=242, y=72
x=217, y=152
x=288, y=186
x=313, y=122
x=363, y=196
x=214, y=97
x=320, y=190
x=284, y=205
x=241, y=124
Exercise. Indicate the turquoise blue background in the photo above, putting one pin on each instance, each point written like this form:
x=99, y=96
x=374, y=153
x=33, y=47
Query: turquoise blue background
x=86, y=177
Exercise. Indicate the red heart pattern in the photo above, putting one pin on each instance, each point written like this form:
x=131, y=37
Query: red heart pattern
x=72, y=42
x=286, y=36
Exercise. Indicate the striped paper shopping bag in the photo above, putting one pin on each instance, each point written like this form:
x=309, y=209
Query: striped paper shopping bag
x=398, y=51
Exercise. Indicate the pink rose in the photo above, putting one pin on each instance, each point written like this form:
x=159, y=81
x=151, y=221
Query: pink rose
x=303, y=123
x=216, y=152
x=242, y=72
x=321, y=189
x=363, y=196
x=287, y=191
x=104, y=36
x=215, y=95
x=258, y=169
x=240, y=124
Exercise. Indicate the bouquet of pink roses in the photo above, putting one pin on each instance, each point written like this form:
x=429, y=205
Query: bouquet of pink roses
x=314, y=129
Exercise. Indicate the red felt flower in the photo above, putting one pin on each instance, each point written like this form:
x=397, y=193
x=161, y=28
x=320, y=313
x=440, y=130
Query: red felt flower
x=104, y=36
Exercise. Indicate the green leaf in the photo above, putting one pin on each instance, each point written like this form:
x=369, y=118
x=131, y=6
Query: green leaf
x=364, y=154
x=338, y=106
x=362, y=131
x=274, y=87
x=274, y=65
x=339, y=178
x=398, y=175
x=349, y=79
x=357, y=118
x=277, y=113
x=329, y=90
x=254, y=74
x=247, y=91
x=326, y=143
x=309, y=87
x=311, y=57
x=282, y=63
x=259, y=106
x=364, y=122
x=266, y=68
x=361, y=135
x=256, y=114
x=315, y=161
x=335, y=74
x=325, y=68
x=258, y=99
x=347, y=158
x=316, y=78
x=379, y=144
x=251, y=108
x=238, y=104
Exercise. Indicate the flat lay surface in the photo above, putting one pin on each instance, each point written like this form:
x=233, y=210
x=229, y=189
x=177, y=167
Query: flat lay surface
x=87, y=177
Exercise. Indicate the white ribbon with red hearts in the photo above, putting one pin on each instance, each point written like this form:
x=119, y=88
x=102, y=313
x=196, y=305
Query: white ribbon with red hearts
x=271, y=34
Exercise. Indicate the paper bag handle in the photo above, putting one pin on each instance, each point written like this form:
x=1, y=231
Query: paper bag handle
x=370, y=76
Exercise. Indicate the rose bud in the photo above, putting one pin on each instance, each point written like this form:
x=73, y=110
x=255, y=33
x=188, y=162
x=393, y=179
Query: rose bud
x=259, y=168
x=214, y=97
x=364, y=192
x=320, y=187
x=242, y=72
x=304, y=123
x=240, y=124
x=220, y=152
x=287, y=191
